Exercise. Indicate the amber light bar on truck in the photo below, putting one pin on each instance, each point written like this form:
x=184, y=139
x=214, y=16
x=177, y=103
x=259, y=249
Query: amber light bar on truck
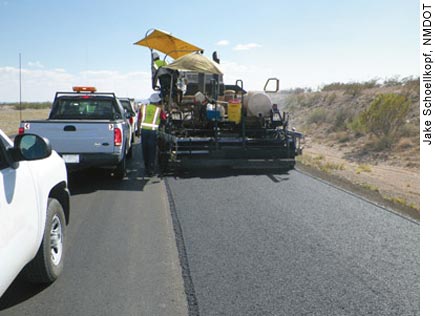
x=79, y=89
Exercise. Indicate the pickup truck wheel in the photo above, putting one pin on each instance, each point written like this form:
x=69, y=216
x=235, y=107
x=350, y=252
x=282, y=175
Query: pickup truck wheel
x=120, y=170
x=130, y=152
x=48, y=263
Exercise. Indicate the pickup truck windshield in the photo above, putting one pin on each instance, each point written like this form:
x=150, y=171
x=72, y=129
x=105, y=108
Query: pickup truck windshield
x=84, y=108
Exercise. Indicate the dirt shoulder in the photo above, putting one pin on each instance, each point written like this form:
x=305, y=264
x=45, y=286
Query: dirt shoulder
x=393, y=187
x=356, y=138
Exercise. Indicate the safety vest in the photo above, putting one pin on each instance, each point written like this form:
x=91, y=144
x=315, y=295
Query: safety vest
x=151, y=117
x=160, y=63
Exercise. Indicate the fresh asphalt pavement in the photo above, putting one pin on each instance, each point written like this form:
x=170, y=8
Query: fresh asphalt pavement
x=235, y=243
x=288, y=244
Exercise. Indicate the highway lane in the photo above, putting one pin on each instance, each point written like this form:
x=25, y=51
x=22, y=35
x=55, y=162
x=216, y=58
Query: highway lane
x=251, y=244
x=288, y=244
x=121, y=256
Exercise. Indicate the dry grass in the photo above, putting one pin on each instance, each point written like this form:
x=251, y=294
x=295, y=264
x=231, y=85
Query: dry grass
x=394, y=184
x=10, y=118
x=363, y=168
x=369, y=186
x=402, y=201
x=319, y=162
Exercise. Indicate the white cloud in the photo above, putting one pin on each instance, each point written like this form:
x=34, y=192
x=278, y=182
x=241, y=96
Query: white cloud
x=35, y=64
x=246, y=46
x=253, y=76
x=223, y=43
x=41, y=84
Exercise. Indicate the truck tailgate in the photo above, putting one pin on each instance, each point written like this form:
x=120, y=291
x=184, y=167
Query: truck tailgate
x=75, y=137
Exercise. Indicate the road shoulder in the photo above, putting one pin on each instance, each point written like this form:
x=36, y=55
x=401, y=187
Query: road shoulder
x=172, y=287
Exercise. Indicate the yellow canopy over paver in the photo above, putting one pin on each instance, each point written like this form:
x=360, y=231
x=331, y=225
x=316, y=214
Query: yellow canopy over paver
x=167, y=44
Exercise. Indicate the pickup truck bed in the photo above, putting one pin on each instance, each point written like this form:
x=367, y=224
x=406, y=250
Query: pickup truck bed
x=87, y=129
x=81, y=143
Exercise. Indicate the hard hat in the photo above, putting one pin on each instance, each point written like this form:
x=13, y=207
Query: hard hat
x=155, y=98
x=155, y=55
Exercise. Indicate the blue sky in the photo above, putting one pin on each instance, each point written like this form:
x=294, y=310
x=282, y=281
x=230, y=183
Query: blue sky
x=304, y=43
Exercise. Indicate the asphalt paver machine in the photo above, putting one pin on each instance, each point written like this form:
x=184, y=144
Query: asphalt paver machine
x=211, y=124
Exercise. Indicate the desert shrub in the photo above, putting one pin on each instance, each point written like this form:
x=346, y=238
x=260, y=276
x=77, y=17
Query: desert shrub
x=405, y=143
x=382, y=143
x=309, y=99
x=320, y=163
x=409, y=130
x=291, y=102
x=356, y=126
x=370, y=187
x=352, y=88
x=317, y=116
x=300, y=99
x=332, y=86
x=411, y=82
x=341, y=119
x=363, y=168
x=331, y=98
x=297, y=90
x=385, y=116
x=392, y=82
x=411, y=88
x=343, y=137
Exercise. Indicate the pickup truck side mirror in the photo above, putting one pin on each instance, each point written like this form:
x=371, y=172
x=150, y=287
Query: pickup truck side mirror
x=30, y=147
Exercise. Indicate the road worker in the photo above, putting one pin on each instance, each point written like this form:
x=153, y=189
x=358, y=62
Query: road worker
x=167, y=77
x=150, y=116
x=163, y=75
x=157, y=61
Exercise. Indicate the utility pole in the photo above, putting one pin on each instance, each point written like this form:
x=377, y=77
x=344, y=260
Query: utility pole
x=20, y=85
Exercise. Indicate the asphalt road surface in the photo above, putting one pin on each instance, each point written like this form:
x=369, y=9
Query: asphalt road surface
x=248, y=244
x=121, y=256
x=291, y=245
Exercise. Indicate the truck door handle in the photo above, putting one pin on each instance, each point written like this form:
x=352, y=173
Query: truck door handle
x=69, y=128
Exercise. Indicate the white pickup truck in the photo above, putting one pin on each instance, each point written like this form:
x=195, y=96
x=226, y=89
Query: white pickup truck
x=34, y=210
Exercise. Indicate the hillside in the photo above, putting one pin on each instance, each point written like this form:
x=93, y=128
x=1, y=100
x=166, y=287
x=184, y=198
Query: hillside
x=342, y=140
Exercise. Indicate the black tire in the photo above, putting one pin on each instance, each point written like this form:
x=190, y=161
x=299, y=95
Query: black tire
x=130, y=152
x=120, y=170
x=47, y=266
